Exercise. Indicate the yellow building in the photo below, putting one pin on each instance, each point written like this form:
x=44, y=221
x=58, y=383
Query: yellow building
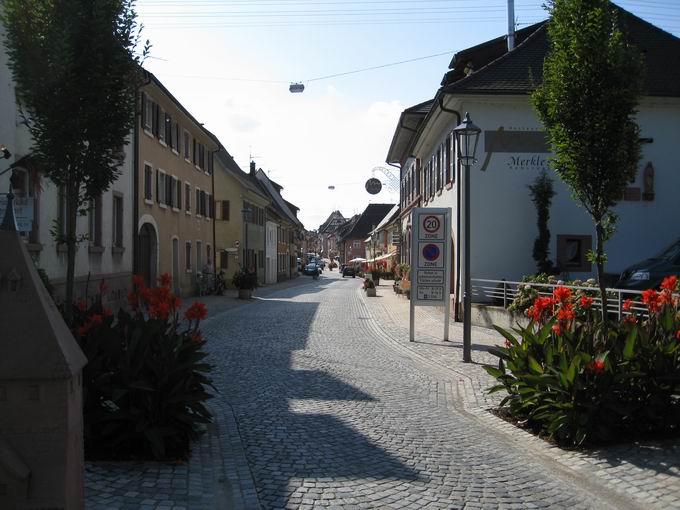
x=174, y=182
x=240, y=219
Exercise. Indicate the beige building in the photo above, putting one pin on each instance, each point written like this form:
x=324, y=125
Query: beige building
x=175, y=205
x=240, y=218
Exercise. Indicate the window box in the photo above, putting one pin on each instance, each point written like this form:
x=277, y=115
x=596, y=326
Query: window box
x=118, y=250
x=34, y=247
x=95, y=250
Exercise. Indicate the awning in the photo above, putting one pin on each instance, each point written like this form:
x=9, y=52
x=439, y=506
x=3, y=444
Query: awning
x=358, y=259
x=383, y=257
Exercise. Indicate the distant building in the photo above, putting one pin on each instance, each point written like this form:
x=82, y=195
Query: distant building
x=352, y=235
x=325, y=232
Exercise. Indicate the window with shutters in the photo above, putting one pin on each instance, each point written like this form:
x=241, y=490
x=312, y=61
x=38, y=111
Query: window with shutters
x=447, y=160
x=155, y=112
x=187, y=146
x=169, y=191
x=195, y=153
x=198, y=202
x=199, y=256
x=178, y=194
x=175, y=137
x=203, y=206
x=117, y=220
x=225, y=210
x=148, y=181
x=168, y=130
x=160, y=187
x=201, y=156
x=162, y=121
x=147, y=112
x=187, y=197
x=95, y=222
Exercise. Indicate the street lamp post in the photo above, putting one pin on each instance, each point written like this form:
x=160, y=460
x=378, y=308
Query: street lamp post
x=467, y=136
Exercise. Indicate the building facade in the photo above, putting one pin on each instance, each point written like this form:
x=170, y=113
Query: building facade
x=494, y=86
x=106, y=249
x=175, y=204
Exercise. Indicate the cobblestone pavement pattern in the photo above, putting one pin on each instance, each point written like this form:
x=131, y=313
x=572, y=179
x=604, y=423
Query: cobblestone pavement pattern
x=332, y=414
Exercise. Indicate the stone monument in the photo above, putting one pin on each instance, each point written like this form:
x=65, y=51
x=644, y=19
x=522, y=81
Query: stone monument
x=41, y=418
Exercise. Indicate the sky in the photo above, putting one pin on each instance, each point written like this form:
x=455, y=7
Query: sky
x=230, y=63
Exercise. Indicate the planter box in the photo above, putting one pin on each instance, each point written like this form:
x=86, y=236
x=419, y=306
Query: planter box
x=245, y=293
x=370, y=292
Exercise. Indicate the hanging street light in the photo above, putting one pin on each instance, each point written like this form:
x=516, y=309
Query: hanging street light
x=467, y=136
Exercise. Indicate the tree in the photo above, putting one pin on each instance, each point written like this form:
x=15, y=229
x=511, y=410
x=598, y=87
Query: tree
x=76, y=77
x=592, y=79
x=541, y=195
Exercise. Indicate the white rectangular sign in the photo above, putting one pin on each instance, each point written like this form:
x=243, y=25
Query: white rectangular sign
x=23, y=211
x=430, y=261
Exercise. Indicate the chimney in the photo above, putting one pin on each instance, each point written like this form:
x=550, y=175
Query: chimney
x=252, y=167
x=511, y=25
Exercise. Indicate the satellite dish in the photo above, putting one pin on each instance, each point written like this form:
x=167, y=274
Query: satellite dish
x=296, y=88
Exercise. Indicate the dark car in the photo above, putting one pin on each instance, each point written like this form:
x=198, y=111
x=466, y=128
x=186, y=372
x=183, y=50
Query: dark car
x=348, y=271
x=649, y=273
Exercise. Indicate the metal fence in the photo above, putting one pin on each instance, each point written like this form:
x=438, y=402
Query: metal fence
x=503, y=292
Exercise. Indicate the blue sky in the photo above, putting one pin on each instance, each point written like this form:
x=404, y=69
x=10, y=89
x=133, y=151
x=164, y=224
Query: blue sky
x=339, y=128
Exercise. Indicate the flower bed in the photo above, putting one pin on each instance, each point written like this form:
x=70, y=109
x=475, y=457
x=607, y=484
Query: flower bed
x=144, y=387
x=571, y=379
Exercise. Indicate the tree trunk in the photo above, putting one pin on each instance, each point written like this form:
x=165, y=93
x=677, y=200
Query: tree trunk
x=599, y=264
x=72, y=215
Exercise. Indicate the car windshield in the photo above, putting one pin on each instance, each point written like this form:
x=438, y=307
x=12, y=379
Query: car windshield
x=670, y=254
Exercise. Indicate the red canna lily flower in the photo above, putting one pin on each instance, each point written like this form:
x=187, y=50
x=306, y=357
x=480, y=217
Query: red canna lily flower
x=137, y=281
x=586, y=302
x=595, y=366
x=164, y=280
x=562, y=294
x=630, y=319
x=197, y=311
x=651, y=299
x=557, y=329
x=670, y=283
x=627, y=305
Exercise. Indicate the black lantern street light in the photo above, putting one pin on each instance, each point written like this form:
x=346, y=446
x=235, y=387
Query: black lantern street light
x=467, y=136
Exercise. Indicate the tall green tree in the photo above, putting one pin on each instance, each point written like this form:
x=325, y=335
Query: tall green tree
x=76, y=73
x=542, y=193
x=592, y=81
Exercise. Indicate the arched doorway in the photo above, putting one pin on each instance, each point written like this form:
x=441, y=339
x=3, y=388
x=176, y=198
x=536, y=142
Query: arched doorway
x=147, y=254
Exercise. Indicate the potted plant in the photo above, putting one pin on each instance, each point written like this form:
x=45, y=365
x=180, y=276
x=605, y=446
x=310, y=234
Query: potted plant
x=369, y=287
x=397, y=285
x=245, y=281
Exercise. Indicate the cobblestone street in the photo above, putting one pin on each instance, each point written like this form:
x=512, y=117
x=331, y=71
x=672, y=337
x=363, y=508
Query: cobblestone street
x=332, y=410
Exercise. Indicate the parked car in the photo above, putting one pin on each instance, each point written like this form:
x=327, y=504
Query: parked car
x=321, y=263
x=348, y=271
x=649, y=273
x=311, y=269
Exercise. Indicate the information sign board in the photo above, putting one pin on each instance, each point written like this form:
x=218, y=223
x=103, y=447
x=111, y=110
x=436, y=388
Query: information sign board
x=23, y=211
x=431, y=260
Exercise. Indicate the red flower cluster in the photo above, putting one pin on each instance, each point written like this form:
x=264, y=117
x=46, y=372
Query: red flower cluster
x=670, y=283
x=196, y=312
x=93, y=320
x=595, y=366
x=81, y=304
x=586, y=302
x=160, y=302
x=562, y=294
x=650, y=297
x=540, y=307
x=627, y=305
